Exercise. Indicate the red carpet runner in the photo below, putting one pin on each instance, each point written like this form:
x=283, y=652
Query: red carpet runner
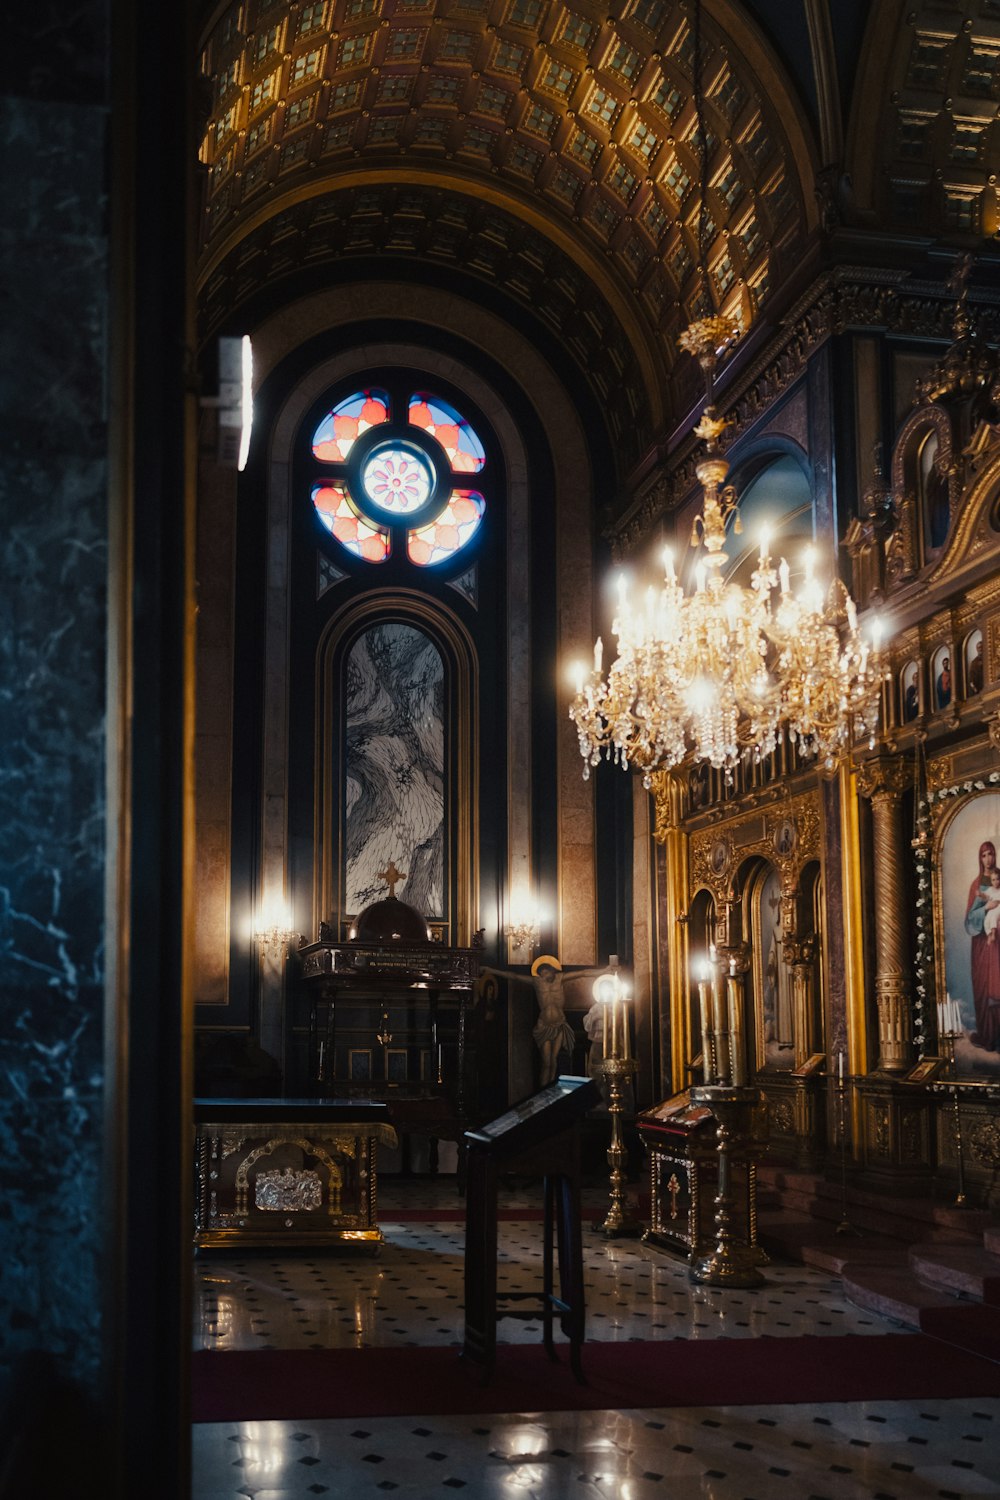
x=301, y=1385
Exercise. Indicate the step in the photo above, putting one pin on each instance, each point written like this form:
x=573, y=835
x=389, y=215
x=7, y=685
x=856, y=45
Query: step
x=961, y=1269
x=991, y=1239
x=892, y=1292
x=801, y=1237
x=906, y=1219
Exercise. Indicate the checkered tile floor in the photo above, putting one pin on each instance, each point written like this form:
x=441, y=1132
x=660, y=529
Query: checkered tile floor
x=411, y=1294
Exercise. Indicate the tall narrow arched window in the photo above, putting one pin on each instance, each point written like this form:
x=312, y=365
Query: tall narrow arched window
x=394, y=771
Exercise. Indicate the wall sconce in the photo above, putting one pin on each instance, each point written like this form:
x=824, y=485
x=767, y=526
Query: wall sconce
x=273, y=933
x=522, y=935
x=274, y=940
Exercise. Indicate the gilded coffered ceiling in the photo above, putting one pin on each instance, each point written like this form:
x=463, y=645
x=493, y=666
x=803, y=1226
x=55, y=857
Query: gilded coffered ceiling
x=363, y=126
x=926, y=147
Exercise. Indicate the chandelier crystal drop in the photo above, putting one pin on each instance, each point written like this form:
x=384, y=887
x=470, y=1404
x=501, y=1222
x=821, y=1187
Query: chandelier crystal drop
x=725, y=670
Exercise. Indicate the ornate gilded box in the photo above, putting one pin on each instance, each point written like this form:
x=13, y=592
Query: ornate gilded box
x=288, y=1171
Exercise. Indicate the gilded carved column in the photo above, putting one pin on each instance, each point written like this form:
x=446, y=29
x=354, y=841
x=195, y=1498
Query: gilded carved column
x=800, y=955
x=883, y=781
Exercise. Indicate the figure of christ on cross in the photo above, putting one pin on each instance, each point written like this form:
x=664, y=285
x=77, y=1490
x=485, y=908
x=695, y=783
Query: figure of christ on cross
x=552, y=1032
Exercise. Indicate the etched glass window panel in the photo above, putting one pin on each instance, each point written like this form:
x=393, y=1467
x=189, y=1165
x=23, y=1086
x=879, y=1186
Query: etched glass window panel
x=394, y=778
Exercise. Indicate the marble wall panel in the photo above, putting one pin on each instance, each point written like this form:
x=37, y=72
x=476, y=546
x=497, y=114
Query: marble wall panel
x=53, y=513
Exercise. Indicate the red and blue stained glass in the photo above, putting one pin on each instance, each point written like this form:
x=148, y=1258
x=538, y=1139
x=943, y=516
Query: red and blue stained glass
x=340, y=429
x=465, y=452
x=456, y=525
x=334, y=508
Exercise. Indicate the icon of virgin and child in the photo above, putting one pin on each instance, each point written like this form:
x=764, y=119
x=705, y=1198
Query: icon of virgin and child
x=982, y=916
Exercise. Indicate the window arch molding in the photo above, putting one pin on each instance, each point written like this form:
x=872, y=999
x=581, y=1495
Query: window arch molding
x=342, y=631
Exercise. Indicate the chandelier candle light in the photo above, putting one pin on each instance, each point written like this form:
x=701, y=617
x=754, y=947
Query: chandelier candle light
x=726, y=669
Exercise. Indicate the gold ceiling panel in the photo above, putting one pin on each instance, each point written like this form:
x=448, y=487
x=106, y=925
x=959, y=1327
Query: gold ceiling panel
x=927, y=136
x=561, y=113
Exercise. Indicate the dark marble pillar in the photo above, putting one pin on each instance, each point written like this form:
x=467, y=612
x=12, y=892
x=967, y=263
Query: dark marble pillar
x=93, y=165
x=53, y=564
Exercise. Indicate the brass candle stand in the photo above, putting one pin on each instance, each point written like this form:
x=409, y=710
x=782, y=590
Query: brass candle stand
x=616, y=1223
x=733, y=1262
x=618, y=1066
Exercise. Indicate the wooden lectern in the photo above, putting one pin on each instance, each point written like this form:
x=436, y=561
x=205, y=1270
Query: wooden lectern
x=539, y=1137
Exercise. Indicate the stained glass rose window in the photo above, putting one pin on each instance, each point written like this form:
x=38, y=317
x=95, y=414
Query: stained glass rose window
x=392, y=471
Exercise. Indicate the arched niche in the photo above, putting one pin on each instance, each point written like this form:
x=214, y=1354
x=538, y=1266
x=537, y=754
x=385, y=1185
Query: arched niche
x=923, y=489
x=774, y=485
x=785, y=999
x=701, y=934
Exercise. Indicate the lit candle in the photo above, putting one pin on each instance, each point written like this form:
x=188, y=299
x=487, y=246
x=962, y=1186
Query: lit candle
x=808, y=558
x=840, y=1066
x=852, y=614
x=622, y=589
x=626, y=1029
x=668, y=564
x=783, y=573
x=737, y=1055
x=707, y=1029
x=578, y=677
x=876, y=632
x=598, y=655
x=604, y=1028
x=721, y=1027
x=699, y=576
x=765, y=538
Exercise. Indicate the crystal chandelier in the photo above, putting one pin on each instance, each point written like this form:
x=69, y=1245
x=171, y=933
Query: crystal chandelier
x=724, y=670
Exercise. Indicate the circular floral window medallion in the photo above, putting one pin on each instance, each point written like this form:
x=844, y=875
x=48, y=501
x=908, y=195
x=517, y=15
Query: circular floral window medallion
x=397, y=479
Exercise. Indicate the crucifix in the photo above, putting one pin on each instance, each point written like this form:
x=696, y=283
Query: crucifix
x=392, y=877
x=673, y=1188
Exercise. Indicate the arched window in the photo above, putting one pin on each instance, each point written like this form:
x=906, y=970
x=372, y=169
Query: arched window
x=391, y=476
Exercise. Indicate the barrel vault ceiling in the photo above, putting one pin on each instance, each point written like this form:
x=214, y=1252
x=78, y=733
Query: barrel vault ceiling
x=547, y=149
